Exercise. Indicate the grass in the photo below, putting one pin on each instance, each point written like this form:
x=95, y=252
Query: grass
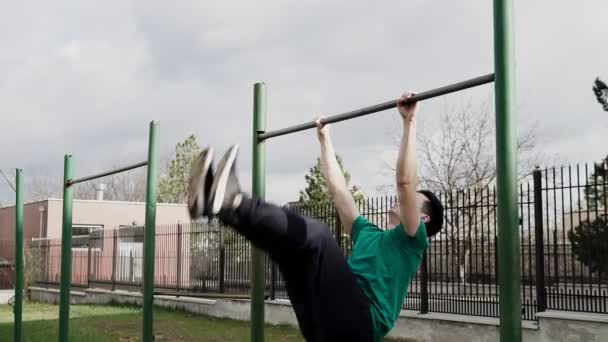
x=118, y=323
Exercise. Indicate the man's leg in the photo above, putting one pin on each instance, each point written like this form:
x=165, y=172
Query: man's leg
x=328, y=302
x=326, y=298
x=290, y=240
x=268, y=226
x=272, y=228
x=342, y=307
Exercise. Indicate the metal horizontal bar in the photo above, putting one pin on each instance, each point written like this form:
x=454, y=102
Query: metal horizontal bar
x=107, y=173
x=474, y=82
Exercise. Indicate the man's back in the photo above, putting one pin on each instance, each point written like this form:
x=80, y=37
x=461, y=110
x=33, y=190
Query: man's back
x=385, y=262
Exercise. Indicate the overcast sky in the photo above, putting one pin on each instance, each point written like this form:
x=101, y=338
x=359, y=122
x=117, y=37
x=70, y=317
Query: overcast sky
x=87, y=77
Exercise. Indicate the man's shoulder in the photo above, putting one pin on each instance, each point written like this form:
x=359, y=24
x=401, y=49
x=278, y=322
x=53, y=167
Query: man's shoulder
x=362, y=222
x=418, y=242
x=363, y=226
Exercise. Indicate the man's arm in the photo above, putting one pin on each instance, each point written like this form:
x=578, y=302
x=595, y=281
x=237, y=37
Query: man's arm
x=334, y=178
x=406, y=177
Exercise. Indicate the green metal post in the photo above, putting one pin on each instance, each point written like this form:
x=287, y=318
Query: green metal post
x=506, y=176
x=259, y=191
x=66, y=253
x=150, y=233
x=18, y=254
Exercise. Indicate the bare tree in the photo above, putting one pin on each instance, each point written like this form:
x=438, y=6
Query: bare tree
x=8, y=182
x=456, y=158
x=125, y=186
x=458, y=151
x=43, y=186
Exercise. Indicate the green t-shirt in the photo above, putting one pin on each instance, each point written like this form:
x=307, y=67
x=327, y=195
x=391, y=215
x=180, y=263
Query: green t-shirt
x=385, y=262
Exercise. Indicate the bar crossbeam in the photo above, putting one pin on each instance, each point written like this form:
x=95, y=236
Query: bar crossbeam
x=107, y=173
x=474, y=82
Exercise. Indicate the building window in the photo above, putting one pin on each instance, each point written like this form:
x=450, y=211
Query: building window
x=128, y=234
x=85, y=235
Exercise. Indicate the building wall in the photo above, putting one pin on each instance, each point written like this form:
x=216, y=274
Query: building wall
x=112, y=214
x=107, y=214
x=31, y=226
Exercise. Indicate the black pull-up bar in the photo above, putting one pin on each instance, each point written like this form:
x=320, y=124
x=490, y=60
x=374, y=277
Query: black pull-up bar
x=474, y=82
x=103, y=174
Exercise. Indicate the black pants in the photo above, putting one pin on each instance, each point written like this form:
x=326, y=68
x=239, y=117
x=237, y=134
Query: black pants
x=324, y=293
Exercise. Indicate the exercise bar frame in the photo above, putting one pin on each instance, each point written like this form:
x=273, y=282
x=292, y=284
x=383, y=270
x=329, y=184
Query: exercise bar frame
x=19, y=273
x=474, y=82
x=107, y=173
x=506, y=178
x=149, y=236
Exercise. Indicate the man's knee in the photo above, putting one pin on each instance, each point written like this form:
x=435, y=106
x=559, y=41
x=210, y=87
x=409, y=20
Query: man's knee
x=319, y=233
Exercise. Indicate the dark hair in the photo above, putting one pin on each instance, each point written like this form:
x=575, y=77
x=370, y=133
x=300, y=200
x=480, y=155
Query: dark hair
x=434, y=209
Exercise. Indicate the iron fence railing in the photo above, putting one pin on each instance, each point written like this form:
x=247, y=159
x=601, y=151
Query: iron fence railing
x=459, y=273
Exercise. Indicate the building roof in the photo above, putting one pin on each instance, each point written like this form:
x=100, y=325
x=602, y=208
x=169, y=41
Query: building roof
x=50, y=199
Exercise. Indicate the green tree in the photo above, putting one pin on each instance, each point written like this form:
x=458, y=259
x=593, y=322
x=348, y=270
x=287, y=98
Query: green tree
x=588, y=242
x=600, y=88
x=595, y=191
x=173, y=187
x=316, y=193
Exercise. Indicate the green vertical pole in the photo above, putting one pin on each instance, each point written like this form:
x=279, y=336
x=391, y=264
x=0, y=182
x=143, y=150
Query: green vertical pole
x=150, y=233
x=66, y=252
x=18, y=255
x=506, y=175
x=259, y=191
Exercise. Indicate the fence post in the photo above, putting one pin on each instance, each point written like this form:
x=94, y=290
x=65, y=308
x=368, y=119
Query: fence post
x=338, y=229
x=89, y=259
x=114, y=259
x=541, y=295
x=555, y=257
x=179, y=256
x=273, y=280
x=496, y=257
x=424, y=285
x=47, y=257
x=222, y=260
x=131, y=267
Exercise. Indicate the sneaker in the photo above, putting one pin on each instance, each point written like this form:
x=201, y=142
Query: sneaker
x=201, y=178
x=225, y=189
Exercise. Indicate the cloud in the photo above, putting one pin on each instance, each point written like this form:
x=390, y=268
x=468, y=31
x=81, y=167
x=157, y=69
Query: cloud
x=87, y=78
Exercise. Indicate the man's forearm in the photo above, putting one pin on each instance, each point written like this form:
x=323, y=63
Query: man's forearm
x=334, y=178
x=335, y=181
x=407, y=179
x=406, y=162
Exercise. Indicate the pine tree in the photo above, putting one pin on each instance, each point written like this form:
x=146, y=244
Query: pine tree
x=600, y=89
x=596, y=189
x=316, y=194
x=173, y=187
x=588, y=242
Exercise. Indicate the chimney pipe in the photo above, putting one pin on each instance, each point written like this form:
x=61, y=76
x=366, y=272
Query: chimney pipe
x=99, y=189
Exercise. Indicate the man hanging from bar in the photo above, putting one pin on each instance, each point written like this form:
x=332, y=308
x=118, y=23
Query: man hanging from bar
x=333, y=299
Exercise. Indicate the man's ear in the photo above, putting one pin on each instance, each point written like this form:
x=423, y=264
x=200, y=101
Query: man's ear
x=426, y=218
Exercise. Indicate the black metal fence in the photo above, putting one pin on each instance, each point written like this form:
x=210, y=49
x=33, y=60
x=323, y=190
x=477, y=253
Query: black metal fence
x=7, y=269
x=572, y=196
x=459, y=273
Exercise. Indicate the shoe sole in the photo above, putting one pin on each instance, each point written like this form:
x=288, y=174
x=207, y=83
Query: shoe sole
x=221, y=178
x=198, y=185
